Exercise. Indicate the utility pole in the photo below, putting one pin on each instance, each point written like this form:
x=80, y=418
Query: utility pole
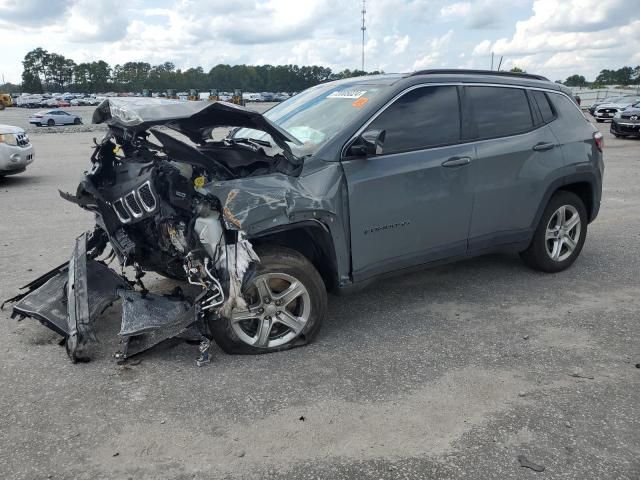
x=363, y=28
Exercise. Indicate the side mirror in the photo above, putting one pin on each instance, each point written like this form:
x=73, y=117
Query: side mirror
x=368, y=144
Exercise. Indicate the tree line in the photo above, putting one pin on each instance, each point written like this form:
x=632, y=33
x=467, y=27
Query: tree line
x=622, y=76
x=45, y=71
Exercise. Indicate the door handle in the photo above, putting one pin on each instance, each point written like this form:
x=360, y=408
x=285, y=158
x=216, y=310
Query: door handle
x=541, y=147
x=456, y=162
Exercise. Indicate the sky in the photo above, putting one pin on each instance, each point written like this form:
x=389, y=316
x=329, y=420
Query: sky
x=555, y=38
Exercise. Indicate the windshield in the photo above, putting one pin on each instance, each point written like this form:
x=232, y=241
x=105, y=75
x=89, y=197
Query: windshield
x=317, y=114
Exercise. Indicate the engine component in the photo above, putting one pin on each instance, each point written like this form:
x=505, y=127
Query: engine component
x=209, y=231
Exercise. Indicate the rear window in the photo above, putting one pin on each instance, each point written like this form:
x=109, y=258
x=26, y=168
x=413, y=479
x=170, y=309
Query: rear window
x=499, y=111
x=541, y=100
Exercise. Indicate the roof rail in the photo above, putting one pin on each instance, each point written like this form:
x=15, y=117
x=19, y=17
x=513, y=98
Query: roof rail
x=478, y=72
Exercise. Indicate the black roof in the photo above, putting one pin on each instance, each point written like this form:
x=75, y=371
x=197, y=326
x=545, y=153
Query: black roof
x=478, y=72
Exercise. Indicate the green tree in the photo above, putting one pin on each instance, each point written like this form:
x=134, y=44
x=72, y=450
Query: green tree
x=517, y=70
x=575, y=81
x=35, y=67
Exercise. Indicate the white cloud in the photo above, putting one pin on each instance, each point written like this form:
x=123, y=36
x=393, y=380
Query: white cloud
x=565, y=37
x=552, y=37
x=459, y=9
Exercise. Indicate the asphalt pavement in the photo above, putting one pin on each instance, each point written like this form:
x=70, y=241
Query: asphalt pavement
x=448, y=373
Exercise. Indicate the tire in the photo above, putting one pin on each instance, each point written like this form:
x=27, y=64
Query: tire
x=552, y=230
x=51, y=123
x=280, y=267
x=77, y=121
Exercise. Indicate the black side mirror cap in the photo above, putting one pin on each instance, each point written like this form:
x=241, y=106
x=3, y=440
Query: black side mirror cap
x=368, y=144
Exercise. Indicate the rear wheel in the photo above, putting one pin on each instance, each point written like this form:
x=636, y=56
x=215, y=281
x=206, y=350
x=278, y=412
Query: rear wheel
x=560, y=235
x=286, y=305
x=50, y=123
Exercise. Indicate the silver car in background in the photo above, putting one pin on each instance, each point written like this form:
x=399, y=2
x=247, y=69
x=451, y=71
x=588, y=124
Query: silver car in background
x=16, y=152
x=54, y=117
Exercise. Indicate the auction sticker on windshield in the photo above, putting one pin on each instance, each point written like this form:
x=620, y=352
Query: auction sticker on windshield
x=347, y=94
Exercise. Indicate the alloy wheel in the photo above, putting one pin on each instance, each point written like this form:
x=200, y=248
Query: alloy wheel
x=278, y=309
x=563, y=233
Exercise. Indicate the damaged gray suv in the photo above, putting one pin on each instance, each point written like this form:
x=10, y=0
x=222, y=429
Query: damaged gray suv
x=342, y=183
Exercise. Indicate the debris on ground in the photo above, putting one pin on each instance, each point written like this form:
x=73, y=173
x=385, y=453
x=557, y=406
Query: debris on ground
x=579, y=375
x=525, y=462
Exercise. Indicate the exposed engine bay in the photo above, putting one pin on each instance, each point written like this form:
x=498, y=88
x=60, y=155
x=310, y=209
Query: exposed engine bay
x=145, y=187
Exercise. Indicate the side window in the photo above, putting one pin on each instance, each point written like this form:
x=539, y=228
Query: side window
x=422, y=118
x=499, y=111
x=540, y=98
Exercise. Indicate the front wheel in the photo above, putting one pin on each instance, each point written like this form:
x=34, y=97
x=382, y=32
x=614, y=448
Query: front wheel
x=560, y=235
x=50, y=123
x=77, y=121
x=286, y=305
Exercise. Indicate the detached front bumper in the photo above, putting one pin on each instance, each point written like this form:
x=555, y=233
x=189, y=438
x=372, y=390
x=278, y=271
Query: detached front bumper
x=14, y=159
x=70, y=297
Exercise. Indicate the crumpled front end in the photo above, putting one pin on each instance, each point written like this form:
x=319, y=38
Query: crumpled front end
x=152, y=216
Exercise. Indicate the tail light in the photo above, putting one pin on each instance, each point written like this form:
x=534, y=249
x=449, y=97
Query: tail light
x=38, y=116
x=599, y=139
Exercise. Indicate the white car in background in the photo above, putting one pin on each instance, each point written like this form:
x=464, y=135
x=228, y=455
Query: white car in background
x=16, y=152
x=606, y=111
x=54, y=117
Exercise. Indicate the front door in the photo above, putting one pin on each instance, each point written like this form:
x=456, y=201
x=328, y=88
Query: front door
x=411, y=203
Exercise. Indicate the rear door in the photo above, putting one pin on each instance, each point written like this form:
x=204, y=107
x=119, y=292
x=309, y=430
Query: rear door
x=517, y=157
x=411, y=203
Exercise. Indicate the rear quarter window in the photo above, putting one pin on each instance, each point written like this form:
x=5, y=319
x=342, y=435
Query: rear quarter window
x=566, y=108
x=499, y=111
x=542, y=102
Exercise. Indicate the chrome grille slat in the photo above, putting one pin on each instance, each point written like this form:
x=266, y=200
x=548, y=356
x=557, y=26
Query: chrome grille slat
x=147, y=198
x=121, y=212
x=132, y=204
x=136, y=204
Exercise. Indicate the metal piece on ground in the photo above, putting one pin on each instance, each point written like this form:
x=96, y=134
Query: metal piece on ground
x=148, y=319
x=525, y=462
x=204, y=356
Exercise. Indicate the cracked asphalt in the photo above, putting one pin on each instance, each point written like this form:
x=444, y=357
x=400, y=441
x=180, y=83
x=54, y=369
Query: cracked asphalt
x=443, y=374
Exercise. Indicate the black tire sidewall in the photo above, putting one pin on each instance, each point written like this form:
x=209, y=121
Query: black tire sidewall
x=288, y=261
x=536, y=255
x=51, y=123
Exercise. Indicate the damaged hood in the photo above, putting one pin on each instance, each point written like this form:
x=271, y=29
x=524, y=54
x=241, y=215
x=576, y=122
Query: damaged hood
x=195, y=119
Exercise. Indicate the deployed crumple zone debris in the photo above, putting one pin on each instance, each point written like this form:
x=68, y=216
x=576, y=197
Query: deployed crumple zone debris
x=525, y=462
x=170, y=206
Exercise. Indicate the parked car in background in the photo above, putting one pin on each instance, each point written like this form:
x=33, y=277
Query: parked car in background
x=16, y=152
x=607, y=111
x=54, y=117
x=280, y=97
x=597, y=103
x=626, y=123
